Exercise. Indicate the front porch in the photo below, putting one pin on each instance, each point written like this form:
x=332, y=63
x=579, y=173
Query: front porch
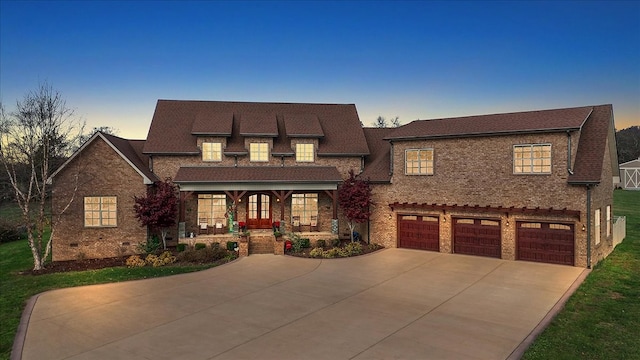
x=259, y=241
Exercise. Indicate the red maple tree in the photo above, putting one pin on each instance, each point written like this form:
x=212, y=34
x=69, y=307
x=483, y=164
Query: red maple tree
x=354, y=196
x=158, y=209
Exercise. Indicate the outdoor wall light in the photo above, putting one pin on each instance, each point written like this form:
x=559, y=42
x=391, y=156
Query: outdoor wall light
x=583, y=227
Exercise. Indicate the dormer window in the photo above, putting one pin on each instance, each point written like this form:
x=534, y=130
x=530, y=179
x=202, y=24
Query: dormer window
x=259, y=152
x=211, y=151
x=304, y=152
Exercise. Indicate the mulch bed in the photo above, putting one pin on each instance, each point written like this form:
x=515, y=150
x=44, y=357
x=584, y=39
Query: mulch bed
x=78, y=265
x=305, y=253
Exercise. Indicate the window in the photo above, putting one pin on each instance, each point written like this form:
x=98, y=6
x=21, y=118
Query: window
x=597, y=226
x=211, y=207
x=100, y=211
x=211, y=151
x=305, y=206
x=304, y=152
x=532, y=159
x=258, y=152
x=608, y=215
x=418, y=162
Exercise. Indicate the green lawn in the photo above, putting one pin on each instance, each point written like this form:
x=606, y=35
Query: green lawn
x=602, y=319
x=16, y=289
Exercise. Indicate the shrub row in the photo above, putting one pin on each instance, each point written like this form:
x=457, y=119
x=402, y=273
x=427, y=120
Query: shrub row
x=166, y=258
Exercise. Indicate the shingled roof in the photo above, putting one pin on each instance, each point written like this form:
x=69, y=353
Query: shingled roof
x=176, y=123
x=377, y=164
x=261, y=174
x=592, y=147
x=482, y=125
x=129, y=150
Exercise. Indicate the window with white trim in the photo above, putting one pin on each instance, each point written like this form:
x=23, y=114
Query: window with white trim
x=532, y=159
x=259, y=152
x=608, y=215
x=304, y=152
x=597, y=227
x=418, y=162
x=100, y=211
x=305, y=206
x=211, y=151
x=212, y=207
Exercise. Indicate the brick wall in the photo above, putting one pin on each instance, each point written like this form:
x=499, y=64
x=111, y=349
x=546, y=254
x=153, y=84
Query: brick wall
x=479, y=171
x=100, y=172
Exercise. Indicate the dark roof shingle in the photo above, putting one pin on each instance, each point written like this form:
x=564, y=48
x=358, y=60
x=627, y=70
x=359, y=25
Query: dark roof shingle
x=592, y=146
x=377, y=164
x=279, y=174
x=173, y=120
x=480, y=125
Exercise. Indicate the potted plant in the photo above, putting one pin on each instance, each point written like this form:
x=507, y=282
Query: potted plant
x=276, y=226
x=277, y=234
x=242, y=226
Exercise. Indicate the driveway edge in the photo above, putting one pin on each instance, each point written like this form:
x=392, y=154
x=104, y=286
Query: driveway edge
x=21, y=333
x=519, y=351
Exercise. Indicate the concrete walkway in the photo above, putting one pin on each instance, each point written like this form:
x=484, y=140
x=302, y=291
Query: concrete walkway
x=395, y=303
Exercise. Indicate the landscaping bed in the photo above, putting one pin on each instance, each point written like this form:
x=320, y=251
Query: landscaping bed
x=337, y=249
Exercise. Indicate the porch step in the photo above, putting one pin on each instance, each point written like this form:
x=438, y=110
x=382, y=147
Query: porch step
x=261, y=244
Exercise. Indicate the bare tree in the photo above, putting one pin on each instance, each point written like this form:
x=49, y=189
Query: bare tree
x=380, y=122
x=37, y=136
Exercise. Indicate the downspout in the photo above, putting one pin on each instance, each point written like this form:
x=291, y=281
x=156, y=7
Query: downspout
x=588, y=226
x=151, y=163
x=391, y=157
x=569, y=153
x=236, y=161
x=361, y=164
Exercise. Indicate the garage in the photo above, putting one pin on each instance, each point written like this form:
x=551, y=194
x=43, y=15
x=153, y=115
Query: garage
x=477, y=237
x=420, y=232
x=545, y=242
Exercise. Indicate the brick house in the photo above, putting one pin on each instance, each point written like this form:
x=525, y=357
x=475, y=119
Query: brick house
x=519, y=186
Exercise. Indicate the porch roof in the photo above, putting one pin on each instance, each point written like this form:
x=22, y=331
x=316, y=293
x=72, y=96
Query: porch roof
x=220, y=178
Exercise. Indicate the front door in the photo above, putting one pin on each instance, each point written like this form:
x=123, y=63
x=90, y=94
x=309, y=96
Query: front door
x=259, y=211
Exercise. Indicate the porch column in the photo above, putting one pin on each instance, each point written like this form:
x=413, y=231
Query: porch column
x=334, y=197
x=235, y=197
x=282, y=196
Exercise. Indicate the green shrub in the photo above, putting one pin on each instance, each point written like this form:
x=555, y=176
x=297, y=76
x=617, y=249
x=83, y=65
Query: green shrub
x=10, y=231
x=335, y=242
x=205, y=256
x=353, y=249
x=317, y=252
x=232, y=245
x=332, y=253
x=134, y=261
x=151, y=246
x=320, y=243
x=305, y=243
x=200, y=246
x=181, y=247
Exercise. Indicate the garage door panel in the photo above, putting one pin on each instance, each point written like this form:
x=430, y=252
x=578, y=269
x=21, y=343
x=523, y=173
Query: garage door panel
x=418, y=232
x=545, y=242
x=477, y=237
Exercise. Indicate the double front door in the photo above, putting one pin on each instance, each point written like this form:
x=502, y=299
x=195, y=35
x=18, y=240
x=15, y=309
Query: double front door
x=259, y=211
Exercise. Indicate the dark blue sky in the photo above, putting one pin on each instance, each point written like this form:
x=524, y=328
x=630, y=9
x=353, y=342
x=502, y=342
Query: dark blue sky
x=113, y=60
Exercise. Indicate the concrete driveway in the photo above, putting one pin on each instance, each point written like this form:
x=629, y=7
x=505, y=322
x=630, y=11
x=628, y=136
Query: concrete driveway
x=393, y=304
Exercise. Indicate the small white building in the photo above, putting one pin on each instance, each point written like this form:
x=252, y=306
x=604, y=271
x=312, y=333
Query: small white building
x=630, y=175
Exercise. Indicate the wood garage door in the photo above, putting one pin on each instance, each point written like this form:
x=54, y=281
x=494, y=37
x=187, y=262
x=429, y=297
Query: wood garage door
x=419, y=232
x=477, y=237
x=545, y=242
